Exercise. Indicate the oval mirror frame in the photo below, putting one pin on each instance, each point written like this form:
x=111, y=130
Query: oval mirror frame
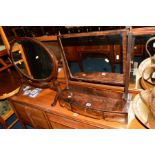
x=52, y=57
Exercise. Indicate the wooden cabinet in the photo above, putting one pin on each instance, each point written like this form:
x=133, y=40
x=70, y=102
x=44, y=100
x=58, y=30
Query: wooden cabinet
x=38, y=113
x=44, y=120
x=31, y=116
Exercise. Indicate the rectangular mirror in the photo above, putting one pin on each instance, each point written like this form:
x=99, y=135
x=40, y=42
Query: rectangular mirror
x=140, y=57
x=95, y=57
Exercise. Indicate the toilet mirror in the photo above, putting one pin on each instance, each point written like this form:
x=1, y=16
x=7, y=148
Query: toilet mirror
x=143, y=57
x=95, y=57
x=33, y=60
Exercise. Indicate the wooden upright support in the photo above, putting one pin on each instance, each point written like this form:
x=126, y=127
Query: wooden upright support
x=4, y=39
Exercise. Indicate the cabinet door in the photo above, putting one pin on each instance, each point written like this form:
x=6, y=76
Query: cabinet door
x=37, y=118
x=32, y=116
x=21, y=113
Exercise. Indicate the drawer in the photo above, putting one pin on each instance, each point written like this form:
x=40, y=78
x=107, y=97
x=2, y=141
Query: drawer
x=67, y=122
x=59, y=126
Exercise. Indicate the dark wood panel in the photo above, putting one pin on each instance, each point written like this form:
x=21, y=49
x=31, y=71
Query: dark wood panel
x=95, y=104
x=111, y=32
x=102, y=77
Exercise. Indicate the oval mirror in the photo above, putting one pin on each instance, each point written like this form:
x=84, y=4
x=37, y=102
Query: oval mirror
x=33, y=60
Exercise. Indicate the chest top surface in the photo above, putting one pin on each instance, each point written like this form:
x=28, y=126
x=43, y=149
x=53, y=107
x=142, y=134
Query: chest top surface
x=43, y=102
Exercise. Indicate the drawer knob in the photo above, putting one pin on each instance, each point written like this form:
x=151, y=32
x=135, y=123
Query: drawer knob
x=88, y=104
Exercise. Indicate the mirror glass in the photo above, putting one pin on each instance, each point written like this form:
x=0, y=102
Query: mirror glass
x=140, y=57
x=97, y=58
x=32, y=59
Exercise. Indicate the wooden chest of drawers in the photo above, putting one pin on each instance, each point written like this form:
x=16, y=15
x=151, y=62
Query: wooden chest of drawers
x=39, y=113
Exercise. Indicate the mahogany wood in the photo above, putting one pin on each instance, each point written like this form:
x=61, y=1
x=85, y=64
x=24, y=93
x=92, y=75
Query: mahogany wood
x=94, y=33
x=46, y=38
x=31, y=116
x=143, y=31
x=102, y=76
x=61, y=118
x=58, y=116
x=106, y=104
x=63, y=122
x=76, y=57
x=48, y=82
x=114, y=109
x=52, y=57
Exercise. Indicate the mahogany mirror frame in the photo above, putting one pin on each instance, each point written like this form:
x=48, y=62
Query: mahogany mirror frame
x=122, y=32
x=27, y=79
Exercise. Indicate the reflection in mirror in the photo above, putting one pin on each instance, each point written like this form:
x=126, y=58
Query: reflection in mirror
x=54, y=47
x=141, y=58
x=98, y=58
x=31, y=59
x=139, y=48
